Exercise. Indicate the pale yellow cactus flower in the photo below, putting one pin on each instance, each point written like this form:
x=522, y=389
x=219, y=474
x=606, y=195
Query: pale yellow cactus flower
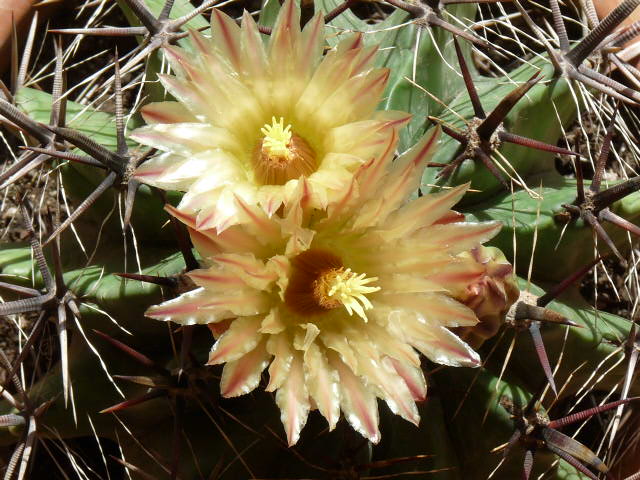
x=338, y=303
x=250, y=121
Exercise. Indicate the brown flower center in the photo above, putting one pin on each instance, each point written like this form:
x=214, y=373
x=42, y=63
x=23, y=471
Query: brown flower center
x=319, y=282
x=281, y=155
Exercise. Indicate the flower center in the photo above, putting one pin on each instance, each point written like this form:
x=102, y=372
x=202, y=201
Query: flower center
x=277, y=139
x=281, y=155
x=340, y=286
x=319, y=282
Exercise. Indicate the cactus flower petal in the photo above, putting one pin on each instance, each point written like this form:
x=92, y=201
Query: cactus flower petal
x=341, y=301
x=243, y=375
x=252, y=121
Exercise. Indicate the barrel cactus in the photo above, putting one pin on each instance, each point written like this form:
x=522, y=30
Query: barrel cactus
x=323, y=240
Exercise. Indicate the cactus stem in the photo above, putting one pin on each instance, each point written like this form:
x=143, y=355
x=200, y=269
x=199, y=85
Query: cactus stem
x=162, y=281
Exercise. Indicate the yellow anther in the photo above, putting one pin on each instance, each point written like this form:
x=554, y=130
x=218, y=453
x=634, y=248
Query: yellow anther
x=277, y=138
x=343, y=287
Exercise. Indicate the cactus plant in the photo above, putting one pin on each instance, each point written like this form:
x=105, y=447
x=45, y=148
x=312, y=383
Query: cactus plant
x=310, y=194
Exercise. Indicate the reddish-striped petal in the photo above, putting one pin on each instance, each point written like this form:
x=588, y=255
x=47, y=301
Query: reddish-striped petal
x=323, y=384
x=241, y=337
x=243, y=375
x=293, y=399
x=357, y=401
x=280, y=346
x=413, y=378
x=226, y=35
x=166, y=112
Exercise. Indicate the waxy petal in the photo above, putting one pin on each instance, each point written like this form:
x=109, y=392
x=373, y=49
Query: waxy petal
x=293, y=399
x=413, y=378
x=226, y=36
x=188, y=309
x=243, y=375
x=322, y=380
x=241, y=337
x=166, y=112
x=357, y=401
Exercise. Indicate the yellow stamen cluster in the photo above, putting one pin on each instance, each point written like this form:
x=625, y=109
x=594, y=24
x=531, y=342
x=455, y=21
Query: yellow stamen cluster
x=277, y=139
x=341, y=286
x=281, y=155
